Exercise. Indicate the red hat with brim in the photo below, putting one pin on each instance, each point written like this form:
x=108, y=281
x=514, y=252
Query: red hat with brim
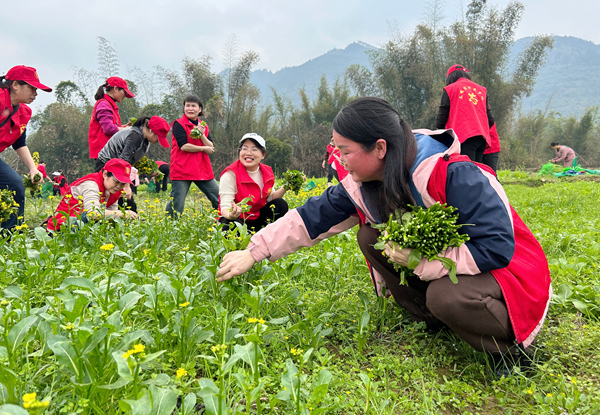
x=456, y=68
x=26, y=74
x=160, y=127
x=120, y=83
x=120, y=169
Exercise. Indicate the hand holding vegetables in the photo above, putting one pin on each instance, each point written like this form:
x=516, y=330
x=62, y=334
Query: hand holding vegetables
x=426, y=232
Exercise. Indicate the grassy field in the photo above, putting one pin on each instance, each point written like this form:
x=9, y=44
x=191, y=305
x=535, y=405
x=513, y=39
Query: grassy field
x=126, y=317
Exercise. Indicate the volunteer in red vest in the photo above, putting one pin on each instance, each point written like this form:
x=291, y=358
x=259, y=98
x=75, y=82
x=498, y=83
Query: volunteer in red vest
x=465, y=109
x=332, y=159
x=42, y=169
x=189, y=158
x=491, y=155
x=18, y=88
x=503, y=290
x=95, y=196
x=106, y=121
x=60, y=184
x=248, y=177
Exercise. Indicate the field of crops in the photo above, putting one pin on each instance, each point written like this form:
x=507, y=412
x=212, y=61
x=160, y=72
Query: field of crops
x=126, y=317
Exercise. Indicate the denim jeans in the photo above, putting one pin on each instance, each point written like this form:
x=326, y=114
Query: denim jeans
x=9, y=179
x=180, y=188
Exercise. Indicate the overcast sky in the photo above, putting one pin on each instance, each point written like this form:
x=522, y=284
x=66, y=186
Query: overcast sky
x=56, y=36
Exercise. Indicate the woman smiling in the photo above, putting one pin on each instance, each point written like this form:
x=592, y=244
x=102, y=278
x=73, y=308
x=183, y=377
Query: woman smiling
x=247, y=178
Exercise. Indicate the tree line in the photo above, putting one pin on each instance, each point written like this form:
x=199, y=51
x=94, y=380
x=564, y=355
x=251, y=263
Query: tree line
x=408, y=71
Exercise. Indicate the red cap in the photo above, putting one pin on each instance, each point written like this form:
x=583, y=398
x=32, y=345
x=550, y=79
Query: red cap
x=120, y=169
x=160, y=127
x=456, y=68
x=26, y=74
x=120, y=83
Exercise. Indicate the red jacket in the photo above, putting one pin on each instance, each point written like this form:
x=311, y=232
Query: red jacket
x=525, y=282
x=494, y=143
x=74, y=207
x=13, y=128
x=247, y=187
x=96, y=137
x=186, y=165
x=468, y=110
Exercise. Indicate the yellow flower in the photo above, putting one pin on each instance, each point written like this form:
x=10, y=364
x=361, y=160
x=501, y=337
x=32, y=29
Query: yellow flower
x=146, y=251
x=29, y=397
x=549, y=395
x=529, y=391
x=187, y=303
x=252, y=320
x=139, y=348
x=296, y=352
x=107, y=247
x=70, y=326
x=181, y=372
x=4, y=302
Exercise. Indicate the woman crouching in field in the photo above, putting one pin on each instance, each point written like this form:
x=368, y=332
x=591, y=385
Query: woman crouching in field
x=247, y=178
x=503, y=290
x=95, y=195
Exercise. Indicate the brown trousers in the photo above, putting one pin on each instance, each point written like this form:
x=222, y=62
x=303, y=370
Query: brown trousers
x=474, y=308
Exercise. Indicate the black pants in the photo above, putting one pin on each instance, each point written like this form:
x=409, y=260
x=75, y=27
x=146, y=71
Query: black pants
x=164, y=169
x=331, y=172
x=473, y=147
x=491, y=160
x=474, y=308
x=272, y=211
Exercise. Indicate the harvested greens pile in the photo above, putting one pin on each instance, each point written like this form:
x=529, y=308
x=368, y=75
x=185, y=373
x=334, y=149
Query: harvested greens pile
x=293, y=180
x=427, y=232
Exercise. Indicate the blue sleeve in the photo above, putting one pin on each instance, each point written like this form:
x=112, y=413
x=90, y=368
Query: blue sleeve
x=492, y=242
x=320, y=213
x=21, y=141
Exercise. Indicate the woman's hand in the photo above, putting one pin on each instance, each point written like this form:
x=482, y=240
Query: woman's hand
x=235, y=263
x=396, y=254
x=234, y=212
x=32, y=174
x=208, y=149
x=130, y=214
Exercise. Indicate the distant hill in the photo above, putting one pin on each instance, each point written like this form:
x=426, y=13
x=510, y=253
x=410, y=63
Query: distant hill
x=570, y=79
x=569, y=82
x=288, y=81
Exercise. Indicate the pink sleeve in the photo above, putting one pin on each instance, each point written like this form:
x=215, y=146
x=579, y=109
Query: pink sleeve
x=288, y=235
x=105, y=116
x=432, y=270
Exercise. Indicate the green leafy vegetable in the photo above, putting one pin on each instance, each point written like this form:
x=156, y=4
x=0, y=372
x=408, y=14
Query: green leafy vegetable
x=293, y=180
x=427, y=232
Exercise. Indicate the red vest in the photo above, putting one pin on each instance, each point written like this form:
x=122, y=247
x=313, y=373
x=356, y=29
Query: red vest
x=160, y=163
x=247, y=187
x=13, y=128
x=525, y=282
x=96, y=137
x=189, y=166
x=468, y=110
x=74, y=207
x=494, y=143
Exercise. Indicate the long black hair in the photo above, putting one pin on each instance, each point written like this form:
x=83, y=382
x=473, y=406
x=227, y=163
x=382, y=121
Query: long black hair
x=367, y=120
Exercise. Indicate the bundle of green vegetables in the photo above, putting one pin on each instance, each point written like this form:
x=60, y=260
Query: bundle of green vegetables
x=427, y=232
x=293, y=180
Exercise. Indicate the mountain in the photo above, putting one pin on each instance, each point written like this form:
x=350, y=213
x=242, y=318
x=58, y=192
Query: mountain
x=288, y=81
x=568, y=83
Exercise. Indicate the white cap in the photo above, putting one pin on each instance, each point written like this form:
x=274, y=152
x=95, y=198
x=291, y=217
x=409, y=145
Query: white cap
x=255, y=137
